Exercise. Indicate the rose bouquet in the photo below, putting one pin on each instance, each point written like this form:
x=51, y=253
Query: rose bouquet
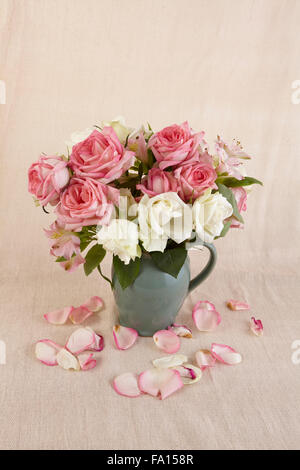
x=130, y=192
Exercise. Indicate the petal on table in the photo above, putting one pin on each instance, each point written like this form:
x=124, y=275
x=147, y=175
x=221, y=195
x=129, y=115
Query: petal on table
x=81, y=340
x=237, y=305
x=166, y=340
x=127, y=385
x=66, y=360
x=169, y=361
x=59, y=317
x=205, y=316
x=86, y=361
x=46, y=351
x=256, y=327
x=181, y=330
x=225, y=354
x=80, y=314
x=160, y=382
x=124, y=337
x=94, y=304
x=189, y=373
x=205, y=359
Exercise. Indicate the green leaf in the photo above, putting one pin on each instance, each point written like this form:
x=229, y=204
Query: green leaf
x=235, y=183
x=84, y=244
x=60, y=259
x=228, y=194
x=225, y=229
x=170, y=261
x=126, y=273
x=93, y=258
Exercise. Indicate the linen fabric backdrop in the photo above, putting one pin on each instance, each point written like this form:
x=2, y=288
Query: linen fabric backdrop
x=228, y=67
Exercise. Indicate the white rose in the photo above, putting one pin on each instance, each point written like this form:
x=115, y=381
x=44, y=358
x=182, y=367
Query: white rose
x=120, y=128
x=161, y=217
x=79, y=136
x=209, y=212
x=121, y=238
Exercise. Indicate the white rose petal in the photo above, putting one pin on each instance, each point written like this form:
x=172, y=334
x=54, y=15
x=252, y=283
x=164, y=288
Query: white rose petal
x=79, y=136
x=209, y=213
x=120, y=128
x=161, y=217
x=121, y=238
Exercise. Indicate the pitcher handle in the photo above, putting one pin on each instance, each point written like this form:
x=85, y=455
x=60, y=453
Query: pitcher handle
x=207, y=269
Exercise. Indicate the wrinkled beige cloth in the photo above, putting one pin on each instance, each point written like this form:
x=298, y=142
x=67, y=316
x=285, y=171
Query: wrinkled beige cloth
x=228, y=67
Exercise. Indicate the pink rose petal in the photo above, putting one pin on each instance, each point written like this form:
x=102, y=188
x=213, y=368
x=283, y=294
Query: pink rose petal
x=94, y=304
x=80, y=314
x=189, y=373
x=127, y=385
x=98, y=344
x=181, y=330
x=205, y=359
x=166, y=340
x=86, y=361
x=256, y=327
x=169, y=361
x=124, y=337
x=205, y=316
x=58, y=317
x=66, y=360
x=46, y=351
x=81, y=340
x=225, y=354
x=160, y=382
x=237, y=305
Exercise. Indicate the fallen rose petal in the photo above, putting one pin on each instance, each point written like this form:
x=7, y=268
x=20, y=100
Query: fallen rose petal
x=256, y=327
x=58, y=317
x=170, y=361
x=127, y=385
x=237, y=305
x=166, y=340
x=80, y=314
x=98, y=344
x=94, y=304
x=189, y=373
x=81, y=340
x=205, y=359
x=225, y=354
x=160, y=382
x=66, y=360
x=124, y=337
x=181, y=330
x=86, y=361
x=46, y=352
x=205, y=316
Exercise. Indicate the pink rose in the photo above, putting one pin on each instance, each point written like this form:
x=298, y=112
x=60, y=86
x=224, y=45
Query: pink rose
x=240, y=195
x=158, y=181
x=176, y=145
x=47, y=177
x=86, y=202
x=101, y=156
x=194, y=179
x=62, y=242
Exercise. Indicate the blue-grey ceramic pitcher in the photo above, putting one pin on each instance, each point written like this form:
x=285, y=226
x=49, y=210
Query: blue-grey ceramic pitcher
x=152, y=302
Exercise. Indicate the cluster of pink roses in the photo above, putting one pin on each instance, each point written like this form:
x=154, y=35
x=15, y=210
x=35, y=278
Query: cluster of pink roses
x=85, y=187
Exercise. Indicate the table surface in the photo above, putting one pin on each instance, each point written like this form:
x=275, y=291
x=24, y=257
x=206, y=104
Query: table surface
x=227, y=67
